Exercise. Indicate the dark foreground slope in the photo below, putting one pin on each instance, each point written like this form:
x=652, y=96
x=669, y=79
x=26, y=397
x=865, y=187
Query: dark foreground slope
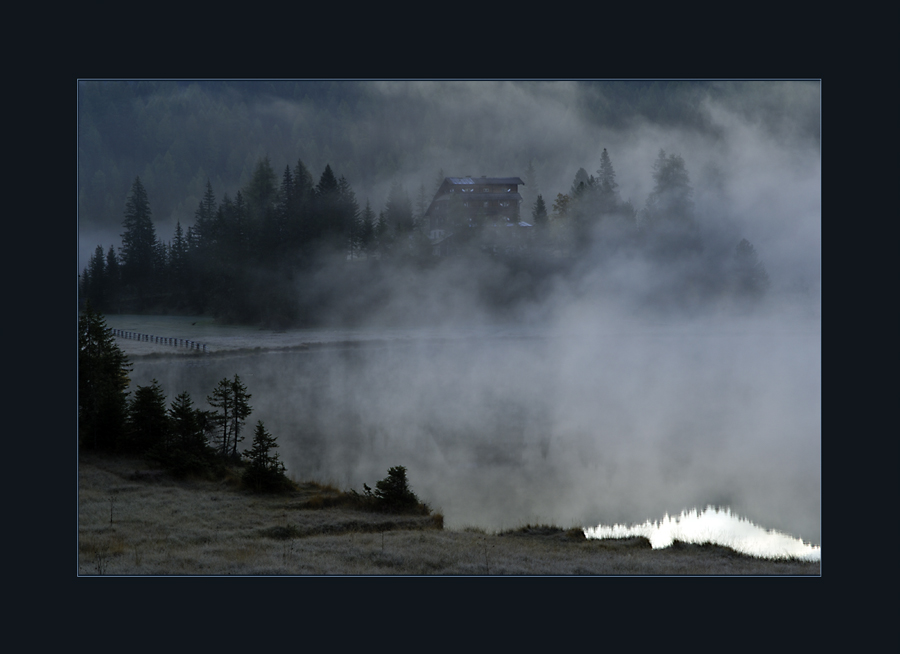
x=134, y=521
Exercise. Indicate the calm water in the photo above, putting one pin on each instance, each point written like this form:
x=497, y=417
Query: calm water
x=583, y=428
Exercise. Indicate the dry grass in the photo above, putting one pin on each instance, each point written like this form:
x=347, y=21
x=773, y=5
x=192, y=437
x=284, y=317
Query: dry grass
x=155, y=525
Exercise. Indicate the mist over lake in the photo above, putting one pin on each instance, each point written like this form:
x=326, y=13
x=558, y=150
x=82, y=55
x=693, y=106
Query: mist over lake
x=582, y=303
x=610, y=422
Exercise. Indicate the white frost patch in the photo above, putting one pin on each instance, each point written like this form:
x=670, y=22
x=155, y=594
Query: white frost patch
x=717, y=527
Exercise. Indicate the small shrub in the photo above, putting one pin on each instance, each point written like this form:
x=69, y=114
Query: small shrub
x=392, y=494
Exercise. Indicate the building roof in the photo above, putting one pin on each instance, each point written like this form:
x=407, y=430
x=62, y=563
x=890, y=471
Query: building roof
x=484, y=180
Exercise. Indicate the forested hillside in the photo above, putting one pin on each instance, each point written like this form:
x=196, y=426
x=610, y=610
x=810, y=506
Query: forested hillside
x=303, y=202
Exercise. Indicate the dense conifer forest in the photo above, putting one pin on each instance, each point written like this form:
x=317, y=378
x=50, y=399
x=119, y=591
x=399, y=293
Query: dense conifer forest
x=300, y=203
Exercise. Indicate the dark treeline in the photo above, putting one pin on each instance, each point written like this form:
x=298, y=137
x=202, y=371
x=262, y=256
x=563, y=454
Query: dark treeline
x=296, y=251
x=243, y=258
x=182, y=438
x=176, y=135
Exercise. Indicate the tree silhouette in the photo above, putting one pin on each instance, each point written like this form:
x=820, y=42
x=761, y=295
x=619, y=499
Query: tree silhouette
x=265, y=471
x=102, y=382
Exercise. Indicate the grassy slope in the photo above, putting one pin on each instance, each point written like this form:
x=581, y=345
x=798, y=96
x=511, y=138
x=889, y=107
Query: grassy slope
x=156, y=525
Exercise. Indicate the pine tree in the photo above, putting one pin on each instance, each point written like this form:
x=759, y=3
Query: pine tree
x=179, y=279
x=241, y=411
x=113, y=278
x=102, y=384
x=670, y=200
x=607, y=187
x=148, y=420
x=367, y=229
x=349, y=216
x=539, y=213
x=94, y=282
x=393, y=492
x=187, y=428
x=222, y=402
x=261, y=192
x=326, y=216
x=667, y=220
x=138, y=242
x=265, y=471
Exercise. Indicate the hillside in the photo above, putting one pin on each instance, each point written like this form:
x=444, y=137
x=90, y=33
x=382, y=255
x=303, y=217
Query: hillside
x=135, y=521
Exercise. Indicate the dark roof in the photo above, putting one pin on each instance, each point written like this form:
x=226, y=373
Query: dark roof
x=484, y=180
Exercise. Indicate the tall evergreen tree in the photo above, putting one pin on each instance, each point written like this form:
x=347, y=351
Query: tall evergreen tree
x=93, y=280
x=102, y=384
x=222, y=402
x=367, y=229
x=242, y=410
x=261, y=192
x=326, y=216
x=179, y=278
x=539, y=213
x=606, y=175
x=187, y=428
x=138, y=241
x=349, y=216
x=670, y=200
x=265, y=471
x=113, y=277
x=148, y=420
x=668, y=216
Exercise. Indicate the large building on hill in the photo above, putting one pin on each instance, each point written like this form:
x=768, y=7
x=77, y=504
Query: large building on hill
x=493, y=202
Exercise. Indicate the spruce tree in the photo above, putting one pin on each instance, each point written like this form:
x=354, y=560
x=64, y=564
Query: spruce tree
x=222, y=402
x=102, y=384
x=113, y=278
x=138, y=242
x=265, y=471
x=539, y=213
x=241, y=411
x=348, y=216
x=367, y=229
x=607, y=187
x=148, y=421
x=186, y=424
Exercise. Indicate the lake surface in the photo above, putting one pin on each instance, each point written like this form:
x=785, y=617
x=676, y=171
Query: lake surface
x=614, y=424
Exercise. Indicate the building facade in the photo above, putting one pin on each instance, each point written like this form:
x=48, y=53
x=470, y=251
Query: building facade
x=469, y=202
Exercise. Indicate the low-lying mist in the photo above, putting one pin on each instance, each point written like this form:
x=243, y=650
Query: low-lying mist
x=582, y=377
x=585, y=415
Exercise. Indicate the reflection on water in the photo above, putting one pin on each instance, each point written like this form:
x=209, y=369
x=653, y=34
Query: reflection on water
x=716, y=527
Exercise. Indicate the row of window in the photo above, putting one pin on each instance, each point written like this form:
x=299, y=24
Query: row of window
x=487, y=203
x=472, y=190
